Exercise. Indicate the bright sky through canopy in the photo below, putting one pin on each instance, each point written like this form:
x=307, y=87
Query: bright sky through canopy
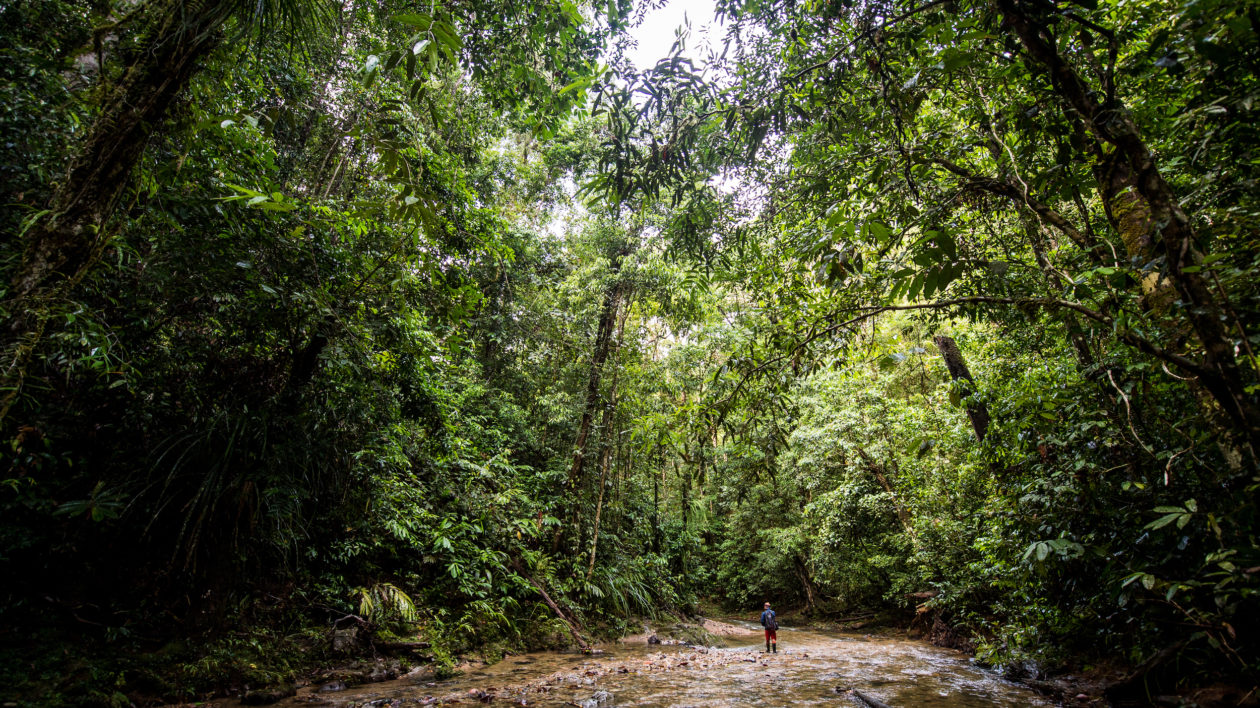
x=656, y=35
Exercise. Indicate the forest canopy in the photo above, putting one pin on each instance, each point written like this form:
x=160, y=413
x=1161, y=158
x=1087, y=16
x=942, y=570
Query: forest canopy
x=446, y=321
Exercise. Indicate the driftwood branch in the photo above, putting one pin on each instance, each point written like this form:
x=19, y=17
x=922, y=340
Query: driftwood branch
x=868, y=700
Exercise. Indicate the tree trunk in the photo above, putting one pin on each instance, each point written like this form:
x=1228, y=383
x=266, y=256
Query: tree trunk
x=605, y=455
x=74, y=232
x=608, y=440
x=656, y=503
x=1139, y=200
x=977, y=412
x=69, y=240
x=603, y=345
x=811, y=593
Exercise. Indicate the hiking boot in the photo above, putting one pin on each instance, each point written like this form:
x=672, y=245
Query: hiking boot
x=775, y=648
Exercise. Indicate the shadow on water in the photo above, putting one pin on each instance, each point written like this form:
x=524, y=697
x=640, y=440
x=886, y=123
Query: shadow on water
x=811, y=668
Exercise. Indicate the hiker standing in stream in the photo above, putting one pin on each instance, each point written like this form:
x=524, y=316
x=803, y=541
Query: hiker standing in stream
x=771, y=624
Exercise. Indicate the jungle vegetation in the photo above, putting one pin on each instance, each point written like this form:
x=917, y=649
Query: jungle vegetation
x=442, y=319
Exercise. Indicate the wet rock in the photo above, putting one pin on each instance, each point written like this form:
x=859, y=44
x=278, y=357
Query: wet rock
x=421, y=673
x=654, y=639
x=334, y=686
x=360, y=672
x=599, y=698
x=345, y=641
x=1021, y=671
x=267, y=696
x=382, y=673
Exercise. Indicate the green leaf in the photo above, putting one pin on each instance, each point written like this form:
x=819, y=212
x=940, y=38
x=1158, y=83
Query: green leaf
x=418, y=20
x=948, y=245
x=956, y=59
x=579, y=84
x=1163, y=521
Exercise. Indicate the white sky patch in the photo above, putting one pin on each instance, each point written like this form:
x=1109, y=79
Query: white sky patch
x=657, y=33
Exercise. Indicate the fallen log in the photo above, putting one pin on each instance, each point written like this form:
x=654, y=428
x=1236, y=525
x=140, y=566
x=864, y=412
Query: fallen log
x=869, y=701
x=401, y=646
x=571, y=624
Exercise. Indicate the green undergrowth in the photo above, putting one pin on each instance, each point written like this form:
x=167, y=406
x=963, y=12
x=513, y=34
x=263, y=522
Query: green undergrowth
x=57, y=670
x=64, y=666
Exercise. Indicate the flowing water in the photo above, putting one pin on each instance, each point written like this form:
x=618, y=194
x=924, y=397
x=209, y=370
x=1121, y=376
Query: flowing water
x=811, y=668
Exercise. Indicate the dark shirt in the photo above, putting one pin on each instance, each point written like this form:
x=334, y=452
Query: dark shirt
x=764, y=615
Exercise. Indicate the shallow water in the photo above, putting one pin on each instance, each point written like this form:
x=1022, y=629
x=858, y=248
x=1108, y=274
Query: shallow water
x=811, y=668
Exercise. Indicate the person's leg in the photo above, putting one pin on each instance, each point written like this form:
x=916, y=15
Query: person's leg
x=774, y=641
x=769, y=633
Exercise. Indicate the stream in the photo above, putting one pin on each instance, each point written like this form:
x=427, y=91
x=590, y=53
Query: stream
x=812, y=667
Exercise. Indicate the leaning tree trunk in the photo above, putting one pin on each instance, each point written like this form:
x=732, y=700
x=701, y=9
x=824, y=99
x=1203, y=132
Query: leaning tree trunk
x=63, y=246
x=1139, y=201
x=976, y=411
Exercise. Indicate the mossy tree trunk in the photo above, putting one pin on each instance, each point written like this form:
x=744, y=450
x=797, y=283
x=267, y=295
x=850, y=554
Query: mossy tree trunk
x=1144, y=209
x=69, y=238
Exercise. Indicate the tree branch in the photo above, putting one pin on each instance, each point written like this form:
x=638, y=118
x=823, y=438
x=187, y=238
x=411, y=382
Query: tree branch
x=1009, y=191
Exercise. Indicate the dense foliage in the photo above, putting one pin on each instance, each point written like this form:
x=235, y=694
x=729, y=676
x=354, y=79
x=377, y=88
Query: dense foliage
x=443, y=322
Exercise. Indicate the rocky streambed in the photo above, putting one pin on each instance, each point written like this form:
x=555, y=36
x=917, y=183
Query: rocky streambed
x=811, y=668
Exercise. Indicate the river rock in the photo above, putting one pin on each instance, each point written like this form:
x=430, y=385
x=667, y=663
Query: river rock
x=1021, y=671
x=382, y=673
x=421, y=673
x=333, y=687
x=267, y=696
x=345, y=641
x=599, y=698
